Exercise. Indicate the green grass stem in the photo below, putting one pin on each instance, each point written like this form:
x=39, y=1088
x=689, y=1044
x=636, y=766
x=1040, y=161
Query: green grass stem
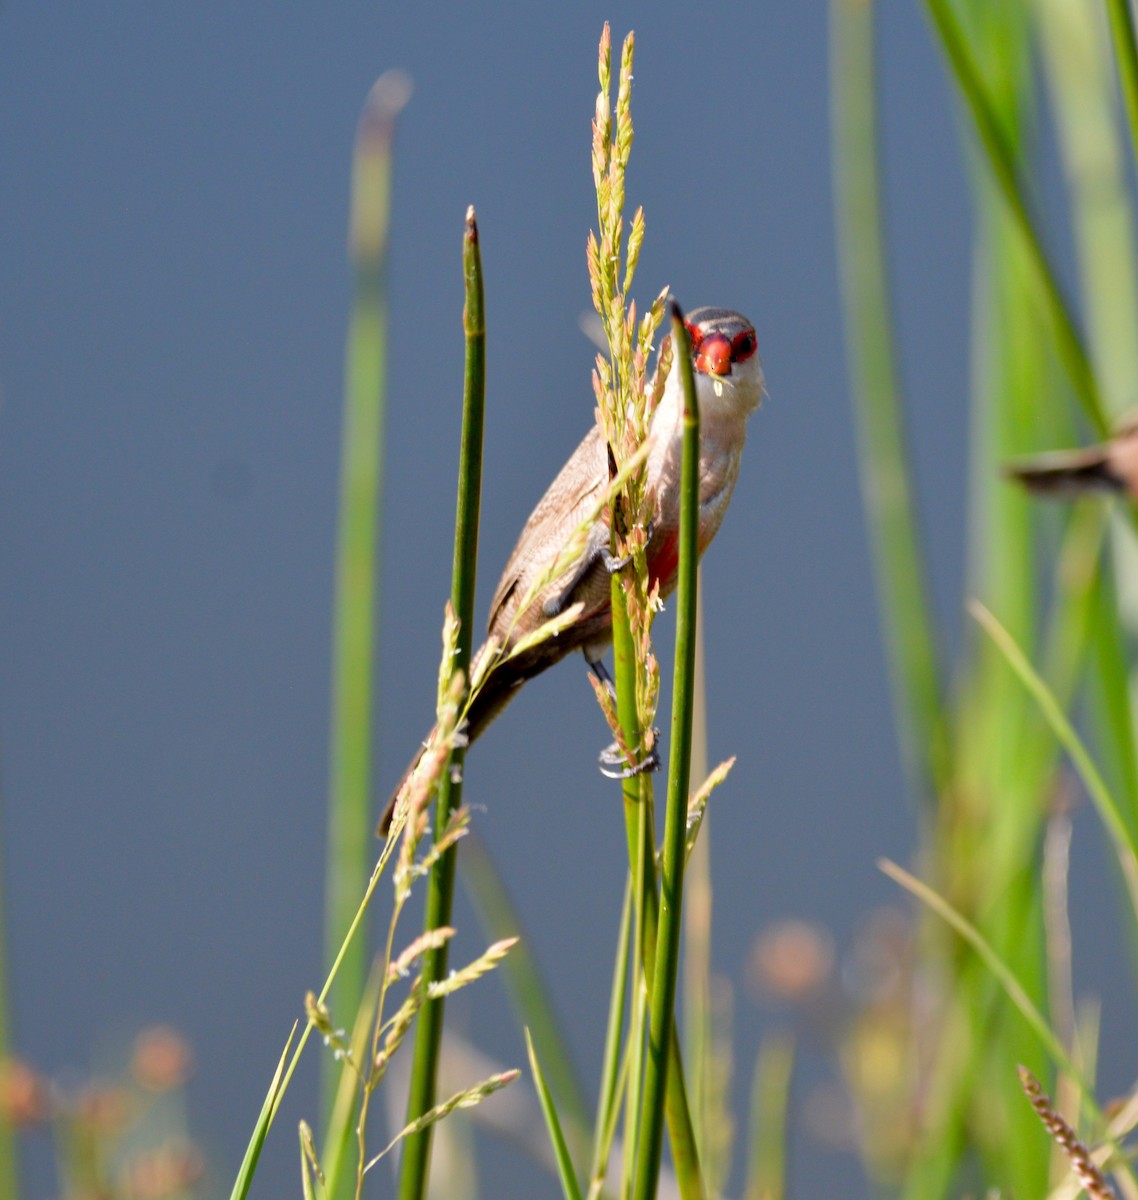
x=350, y=819
x=1126, y=59
x=415, y=1164
x=608, y=1101
x=527, y=989
x=1076, y=54
x=1002, y=162
x=637, y=792
x=887, y=486
x=770, y=1100
x=663, y=994
x=698, y=1021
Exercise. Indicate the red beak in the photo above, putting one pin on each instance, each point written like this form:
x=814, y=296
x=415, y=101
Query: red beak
x=714, y=356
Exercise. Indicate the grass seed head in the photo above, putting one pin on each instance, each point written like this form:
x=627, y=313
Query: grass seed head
x=1077, y=1152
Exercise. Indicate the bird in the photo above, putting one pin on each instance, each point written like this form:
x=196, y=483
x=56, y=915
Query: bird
x=729, y=387
x=1111, y=466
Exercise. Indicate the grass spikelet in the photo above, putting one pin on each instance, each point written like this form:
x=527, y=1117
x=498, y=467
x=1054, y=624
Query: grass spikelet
x=697, y=805
x=1078, y=1154
x=464, y=1099
x=312, y=1177
x=482, y=965
x=450, y=649
x=607, y=701
x=550, y=629
x=430, y=940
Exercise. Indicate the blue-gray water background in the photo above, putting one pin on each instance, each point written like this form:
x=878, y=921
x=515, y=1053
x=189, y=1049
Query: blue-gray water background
x=173, y=303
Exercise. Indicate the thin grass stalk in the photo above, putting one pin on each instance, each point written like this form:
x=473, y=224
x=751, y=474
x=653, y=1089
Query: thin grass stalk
x=887, y=487
x=287, y=1065
x=350, y=821
x=697, y=1019
x=527, y=989
x=635, y=1077
x=342, y=1118
x=997, y=152
x=1126, y=58
x=415, y=1164
x=662, y=1000
x=1121, y=834
x=706, y=1052
x=609, y=1097
x=770, y=1099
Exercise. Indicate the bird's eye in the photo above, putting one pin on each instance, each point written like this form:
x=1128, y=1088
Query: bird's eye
x=743, y=346
x=696, y=337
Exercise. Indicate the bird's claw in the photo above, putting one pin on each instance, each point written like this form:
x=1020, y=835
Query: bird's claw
x=599, y=669
x=615, y=766
x=614, y=564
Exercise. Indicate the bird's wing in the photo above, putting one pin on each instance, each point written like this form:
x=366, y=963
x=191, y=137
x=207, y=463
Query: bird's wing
x=567, y=502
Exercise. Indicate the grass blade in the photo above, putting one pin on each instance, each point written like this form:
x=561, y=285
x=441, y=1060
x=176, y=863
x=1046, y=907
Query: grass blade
x=248, y=1167
x=528, y=991
x=997, y=151
x=1003, y=974
x=1117, y=828
x=569, y=1185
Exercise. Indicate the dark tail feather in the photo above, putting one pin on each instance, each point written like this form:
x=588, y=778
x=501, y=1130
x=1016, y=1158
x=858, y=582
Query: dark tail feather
x=497, y=692
x=1066, y=474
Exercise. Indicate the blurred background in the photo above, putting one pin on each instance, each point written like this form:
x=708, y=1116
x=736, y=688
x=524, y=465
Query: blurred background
x=174, y=302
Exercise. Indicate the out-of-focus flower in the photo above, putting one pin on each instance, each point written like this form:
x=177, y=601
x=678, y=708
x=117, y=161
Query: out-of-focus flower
x=791, y=960
x=162, y=1060
x=23, y=1094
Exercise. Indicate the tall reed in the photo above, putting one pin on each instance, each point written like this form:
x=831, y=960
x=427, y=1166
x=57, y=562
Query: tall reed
x=1060, y=617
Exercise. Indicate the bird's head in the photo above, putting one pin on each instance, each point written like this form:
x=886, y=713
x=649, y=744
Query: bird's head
x=725, y=355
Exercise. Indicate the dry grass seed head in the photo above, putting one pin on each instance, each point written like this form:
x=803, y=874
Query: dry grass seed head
x=1077, y=1152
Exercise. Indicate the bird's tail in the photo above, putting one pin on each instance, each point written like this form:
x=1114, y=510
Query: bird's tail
x=1067, y=473
x=498, y=690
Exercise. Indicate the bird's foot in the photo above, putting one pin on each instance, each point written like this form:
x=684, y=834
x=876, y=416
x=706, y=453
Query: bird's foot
x=599, y=669
x=615, y=766
x=614, y=564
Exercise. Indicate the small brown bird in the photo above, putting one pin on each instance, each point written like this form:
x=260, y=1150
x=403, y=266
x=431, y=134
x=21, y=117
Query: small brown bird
x=1109, y=467
x=729, y=384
